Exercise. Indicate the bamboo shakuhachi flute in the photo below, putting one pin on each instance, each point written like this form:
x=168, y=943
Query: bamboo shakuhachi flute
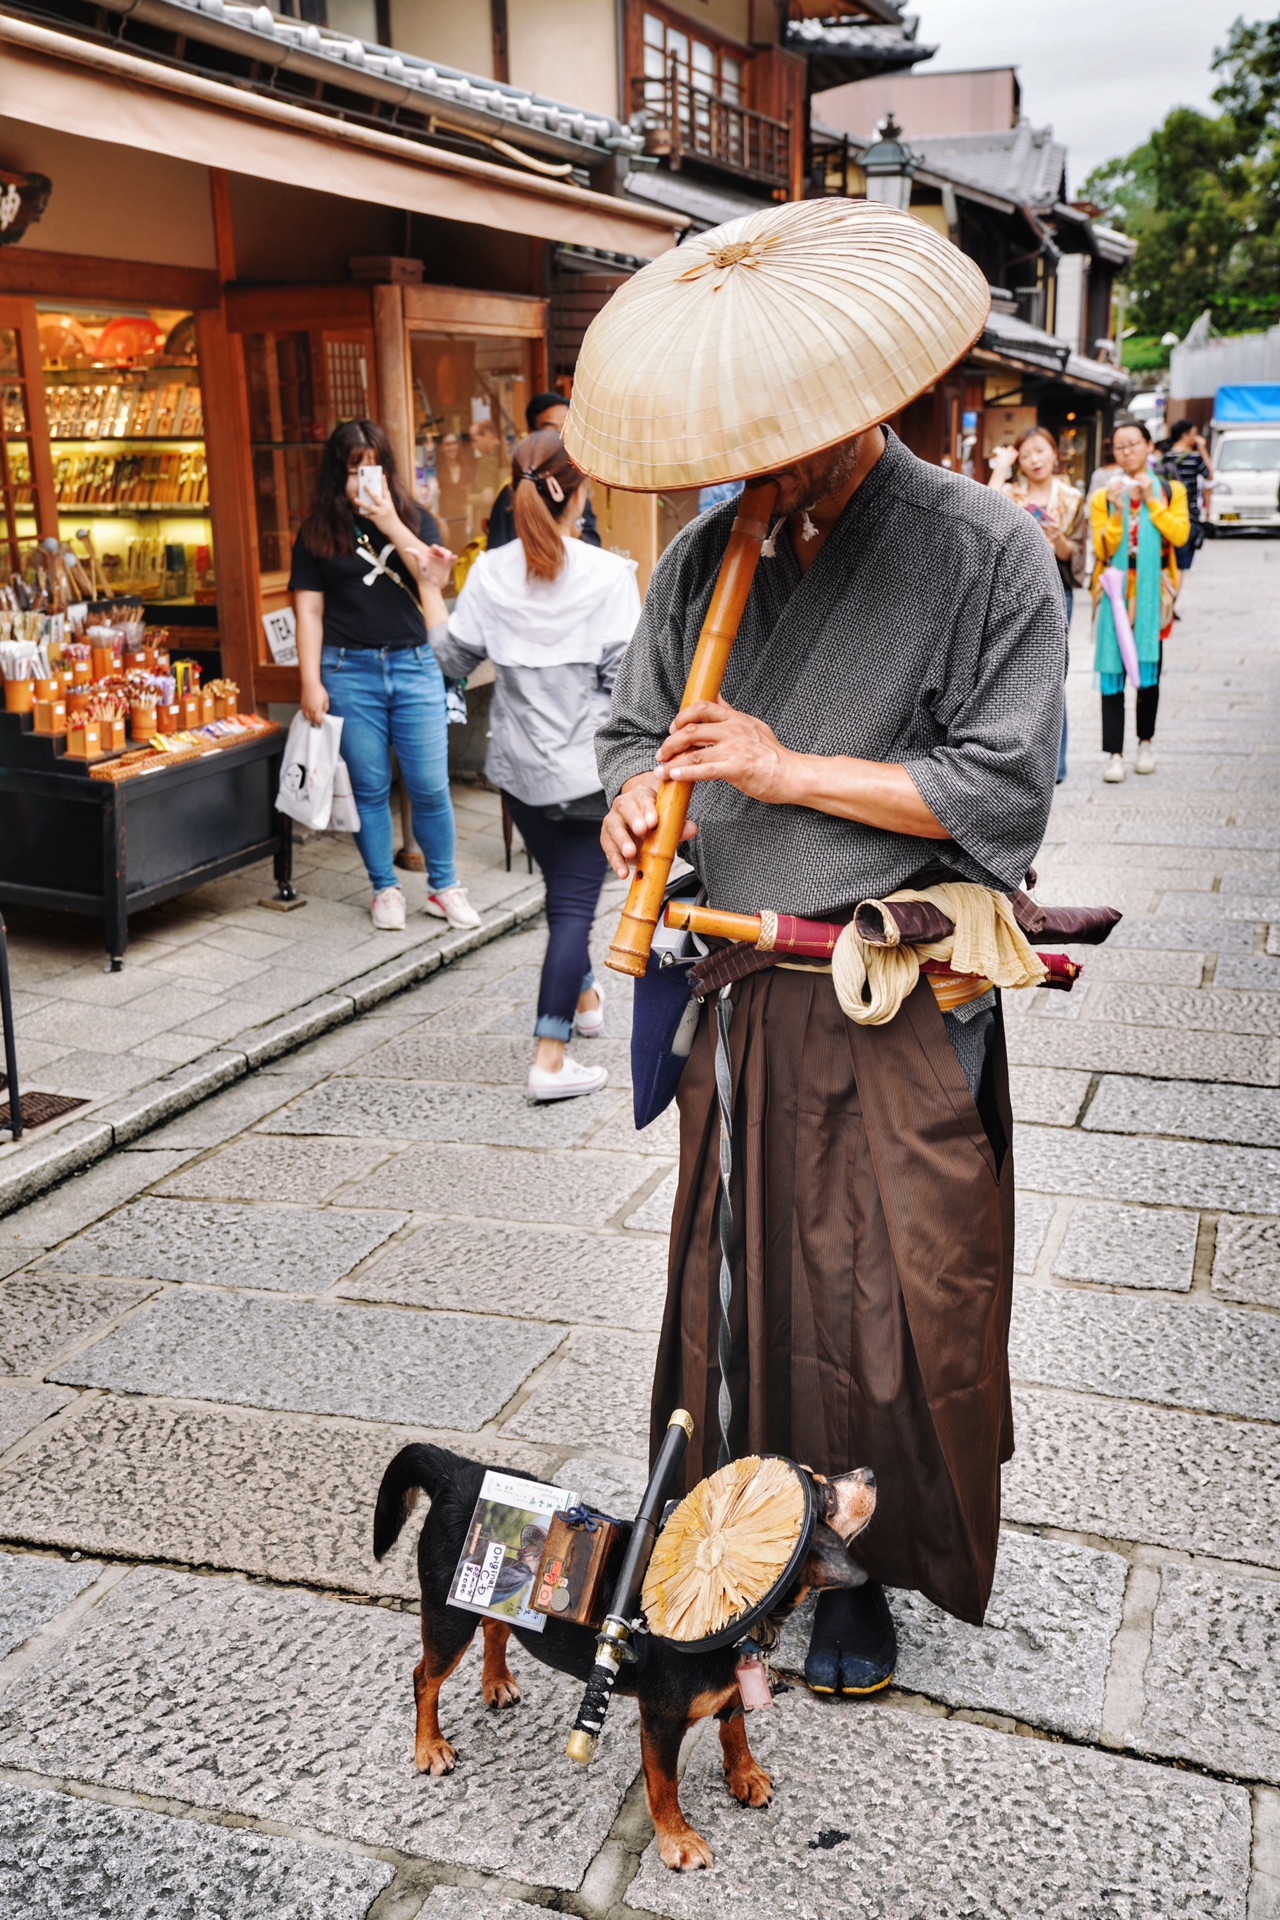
x=630, y=950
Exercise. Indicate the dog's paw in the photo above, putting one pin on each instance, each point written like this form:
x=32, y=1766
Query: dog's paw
x=749, y=1783
x=435, y=1757
x=504, y=1691
x=685, y=1851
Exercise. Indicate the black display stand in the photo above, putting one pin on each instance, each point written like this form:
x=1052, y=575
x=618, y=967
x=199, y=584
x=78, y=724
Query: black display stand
x=111, y=848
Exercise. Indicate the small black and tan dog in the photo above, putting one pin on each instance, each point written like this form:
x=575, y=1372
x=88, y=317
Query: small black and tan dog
x=673, y=1688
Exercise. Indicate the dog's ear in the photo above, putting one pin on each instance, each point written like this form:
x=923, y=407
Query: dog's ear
x=827, y=1563
x=850, y=1501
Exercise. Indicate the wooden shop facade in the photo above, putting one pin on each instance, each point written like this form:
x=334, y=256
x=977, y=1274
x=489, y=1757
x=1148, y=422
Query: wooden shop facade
x=218, y=276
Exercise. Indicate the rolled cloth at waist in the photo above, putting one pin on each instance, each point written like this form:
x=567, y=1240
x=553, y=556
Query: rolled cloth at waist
x=984, y=940
x=907, y=919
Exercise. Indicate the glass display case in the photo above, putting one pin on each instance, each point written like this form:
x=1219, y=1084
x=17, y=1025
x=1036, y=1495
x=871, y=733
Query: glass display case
x=17, y=430
x=301, y=384
x=125, y=412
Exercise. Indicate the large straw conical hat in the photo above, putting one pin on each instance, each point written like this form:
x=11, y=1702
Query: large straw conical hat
x=767, y=339
x=727, y=1552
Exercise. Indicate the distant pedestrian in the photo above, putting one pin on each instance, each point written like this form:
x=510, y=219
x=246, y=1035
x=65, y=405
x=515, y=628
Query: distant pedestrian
x=1029, y=473
x=1139, y=521
x=544, y=410
x=1187, y=460
x=555, y=617
x=363, y=654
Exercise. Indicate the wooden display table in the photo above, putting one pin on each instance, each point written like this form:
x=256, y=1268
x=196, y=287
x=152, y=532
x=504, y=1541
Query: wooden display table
x=111, y=848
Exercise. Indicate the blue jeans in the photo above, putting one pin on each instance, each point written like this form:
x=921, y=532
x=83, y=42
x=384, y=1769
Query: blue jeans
x=394, y=697
x=573, y=866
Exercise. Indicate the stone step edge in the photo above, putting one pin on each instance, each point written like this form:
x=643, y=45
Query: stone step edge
x=31, y=1168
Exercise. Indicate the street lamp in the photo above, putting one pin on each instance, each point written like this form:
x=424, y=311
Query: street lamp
x=889, y=165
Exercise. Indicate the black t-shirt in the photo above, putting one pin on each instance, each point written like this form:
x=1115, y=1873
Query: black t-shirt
x=1191, y=469
x=370, y=596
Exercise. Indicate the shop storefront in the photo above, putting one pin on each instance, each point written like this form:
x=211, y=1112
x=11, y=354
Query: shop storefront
x=216, y=282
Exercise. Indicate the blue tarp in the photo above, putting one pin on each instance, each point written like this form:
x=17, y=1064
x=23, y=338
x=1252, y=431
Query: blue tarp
x=1247, y=406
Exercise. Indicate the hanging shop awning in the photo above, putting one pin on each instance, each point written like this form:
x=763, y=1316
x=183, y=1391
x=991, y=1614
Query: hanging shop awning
x=53, y=80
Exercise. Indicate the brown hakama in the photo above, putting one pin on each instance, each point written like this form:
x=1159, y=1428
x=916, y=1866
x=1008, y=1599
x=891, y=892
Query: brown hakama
x=873, y=1237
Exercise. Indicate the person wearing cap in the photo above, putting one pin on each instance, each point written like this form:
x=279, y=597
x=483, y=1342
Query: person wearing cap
x=890, y=715
x=544, y=410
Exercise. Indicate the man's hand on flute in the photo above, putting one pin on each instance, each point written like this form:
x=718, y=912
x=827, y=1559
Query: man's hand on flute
x=633, y=815
x=711, y=740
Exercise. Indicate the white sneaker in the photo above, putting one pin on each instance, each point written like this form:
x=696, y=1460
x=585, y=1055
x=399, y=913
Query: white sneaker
x=571, y=1079
x=1114, y=769
x=590, y=1021
x=452, y=904
x=1146, y=760
x=387, y=911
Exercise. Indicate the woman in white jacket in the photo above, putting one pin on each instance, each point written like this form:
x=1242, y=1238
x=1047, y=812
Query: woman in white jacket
x=555, y=617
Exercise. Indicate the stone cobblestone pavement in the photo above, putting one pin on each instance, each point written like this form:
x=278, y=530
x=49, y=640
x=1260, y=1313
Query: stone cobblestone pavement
x=212, y=1342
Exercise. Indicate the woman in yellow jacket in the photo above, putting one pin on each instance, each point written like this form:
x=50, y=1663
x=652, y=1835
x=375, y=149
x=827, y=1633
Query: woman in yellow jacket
x=1138, y=521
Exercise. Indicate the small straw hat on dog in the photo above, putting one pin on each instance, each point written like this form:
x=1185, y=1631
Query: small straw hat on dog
x=727, y=1551
x=766, y=340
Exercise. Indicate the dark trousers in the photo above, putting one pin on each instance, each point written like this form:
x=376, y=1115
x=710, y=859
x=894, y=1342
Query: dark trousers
x=573, y=866
x=1113, y=715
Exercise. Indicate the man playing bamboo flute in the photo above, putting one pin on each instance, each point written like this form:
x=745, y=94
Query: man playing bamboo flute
x=891, y=713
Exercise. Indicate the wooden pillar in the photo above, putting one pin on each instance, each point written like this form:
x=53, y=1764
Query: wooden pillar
x=394, y=376
x=226, y=428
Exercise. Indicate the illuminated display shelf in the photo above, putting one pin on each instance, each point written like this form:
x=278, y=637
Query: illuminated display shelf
x=109, y=440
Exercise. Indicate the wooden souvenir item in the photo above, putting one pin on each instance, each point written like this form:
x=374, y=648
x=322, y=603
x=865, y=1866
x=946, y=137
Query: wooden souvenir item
x=50, y=716
x=19, y=696
x=84, y=740
x=571, y=1578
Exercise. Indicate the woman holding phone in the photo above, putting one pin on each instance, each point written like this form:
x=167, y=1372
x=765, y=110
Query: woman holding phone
x=364, y=657
x=1139, y=521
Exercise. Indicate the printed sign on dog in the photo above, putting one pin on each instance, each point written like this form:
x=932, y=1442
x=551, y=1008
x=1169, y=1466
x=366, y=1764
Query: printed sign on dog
x=503, y=1549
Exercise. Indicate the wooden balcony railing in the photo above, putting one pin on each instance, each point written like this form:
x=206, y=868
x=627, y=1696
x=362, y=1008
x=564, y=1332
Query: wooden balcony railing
x=683, y=123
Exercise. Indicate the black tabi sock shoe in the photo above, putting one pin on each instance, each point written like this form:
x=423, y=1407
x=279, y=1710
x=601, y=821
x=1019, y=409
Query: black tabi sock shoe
x=853, y=1648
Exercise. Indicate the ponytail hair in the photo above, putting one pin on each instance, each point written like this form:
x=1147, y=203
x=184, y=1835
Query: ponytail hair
x=543, y=482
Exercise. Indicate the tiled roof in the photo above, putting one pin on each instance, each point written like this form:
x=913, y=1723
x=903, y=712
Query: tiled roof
x=504, y=110
x=1024, y=164
x=877, y=48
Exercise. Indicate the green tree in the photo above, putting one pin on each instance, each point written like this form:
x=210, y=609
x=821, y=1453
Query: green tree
x=1202, y=198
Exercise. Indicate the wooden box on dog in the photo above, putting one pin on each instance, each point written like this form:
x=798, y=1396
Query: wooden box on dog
x=571, y=1580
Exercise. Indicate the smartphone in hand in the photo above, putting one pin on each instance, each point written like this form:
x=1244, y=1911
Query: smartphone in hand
x=370, y=486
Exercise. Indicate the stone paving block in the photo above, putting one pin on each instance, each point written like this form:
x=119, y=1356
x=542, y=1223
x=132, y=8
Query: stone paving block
x=1247, y=971
x=70, y=1858
x=41, y=1315
x=532, y=1273
x=1040, y=1656
x=474, y=1903
x=1249, y=1116
x=619, y=1134
x=1211, y=936
x=1213, y=1675
x=77, y=1203
x=227, y=1114
x=1158, y=1172
x=1183, y=1354
x=34, y=1591
x=596, y=1396
x=575, y=1189
x=1178, y=969
x=22, y=1408
x=1151, y=834
x=261, y=1167
x=1233, y=906
x=411, y=1369
x=615, y=1486
x=293, y=1249
x=1129, y=1246
x=898, y=1816
x=1099, y=1046
x=1170, y=1479
x=289, y=1498
x=1246, y=1261
x=1208, y=1009
x=1047, y=1094
x=1033, y=1212
x=12, y=1258
x=433, y=1055
x=467, y=1116
x=654, y=1215
x=293, y=1708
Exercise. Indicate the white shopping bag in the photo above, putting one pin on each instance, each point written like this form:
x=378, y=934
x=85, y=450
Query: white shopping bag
x=344, y=816
x=307, y=774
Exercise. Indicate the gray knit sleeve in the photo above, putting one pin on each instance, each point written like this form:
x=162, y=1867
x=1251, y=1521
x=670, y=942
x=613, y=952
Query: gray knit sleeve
x=650, y=679
x=990, y=781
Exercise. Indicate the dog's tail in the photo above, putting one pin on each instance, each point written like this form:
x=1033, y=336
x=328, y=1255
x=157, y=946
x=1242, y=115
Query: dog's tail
x=417, y=1468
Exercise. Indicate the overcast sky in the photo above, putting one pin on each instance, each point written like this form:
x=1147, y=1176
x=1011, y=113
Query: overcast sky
x=1102, y=73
